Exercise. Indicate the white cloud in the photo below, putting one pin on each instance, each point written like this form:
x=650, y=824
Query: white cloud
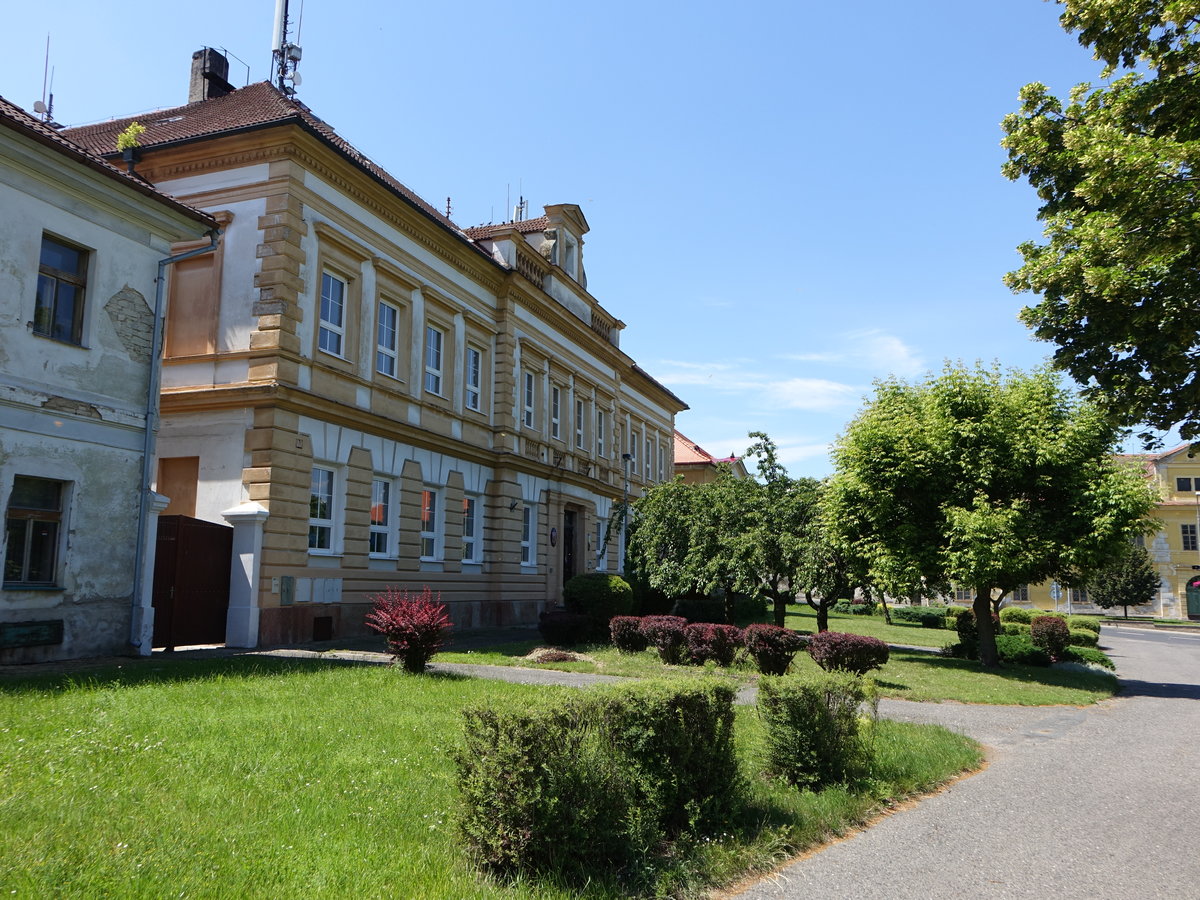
x=815, y=394
x=869, y=350
x=769, y=389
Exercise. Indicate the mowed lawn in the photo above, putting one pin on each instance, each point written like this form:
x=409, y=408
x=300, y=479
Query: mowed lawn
x=258, y=777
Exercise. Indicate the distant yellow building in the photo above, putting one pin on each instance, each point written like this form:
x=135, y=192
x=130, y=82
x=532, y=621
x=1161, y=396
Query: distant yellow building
x=1174, y=548
x=697, y=466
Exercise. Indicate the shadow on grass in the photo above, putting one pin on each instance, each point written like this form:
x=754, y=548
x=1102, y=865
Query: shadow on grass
x=1010, y=672
x=165, y=670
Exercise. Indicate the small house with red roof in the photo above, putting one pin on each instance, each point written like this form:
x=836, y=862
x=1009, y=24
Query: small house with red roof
x=697, y=466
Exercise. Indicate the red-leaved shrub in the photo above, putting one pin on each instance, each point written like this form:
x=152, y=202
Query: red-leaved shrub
x=415, y=625
x=665, y=633
x=706, y=641
x=772, y=647
x=627, y=634
x=834, y=651
x=1051, y=633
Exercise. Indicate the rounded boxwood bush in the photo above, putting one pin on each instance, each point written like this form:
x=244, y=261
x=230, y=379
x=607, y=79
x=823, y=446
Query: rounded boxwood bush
x=925, y=616
x=1082, y=637
x=952, y=613
x=1019, y=650
x=858, y=654
x=1016, y=614
x=599, y=596
x=1091, y=623
x=1017, y=628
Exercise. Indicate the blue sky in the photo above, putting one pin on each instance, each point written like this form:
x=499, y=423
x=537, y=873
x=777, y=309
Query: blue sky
x=787, y=200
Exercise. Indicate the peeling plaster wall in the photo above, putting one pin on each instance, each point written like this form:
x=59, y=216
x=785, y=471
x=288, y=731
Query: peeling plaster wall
x=75, y=413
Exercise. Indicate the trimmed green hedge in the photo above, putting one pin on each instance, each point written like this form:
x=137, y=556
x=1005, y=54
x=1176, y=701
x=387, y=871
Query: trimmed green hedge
x=1016, y=614
x=925, y=616
x=1082, y=637
x=598, y=780
x=1088, y=655
x=1091, y=623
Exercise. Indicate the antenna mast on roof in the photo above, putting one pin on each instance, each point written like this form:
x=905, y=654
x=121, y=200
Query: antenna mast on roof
x=41, y=107
x=285, y=56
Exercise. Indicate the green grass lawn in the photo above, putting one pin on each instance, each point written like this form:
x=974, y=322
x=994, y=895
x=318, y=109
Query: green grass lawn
x=254, y=777
x=802, y=618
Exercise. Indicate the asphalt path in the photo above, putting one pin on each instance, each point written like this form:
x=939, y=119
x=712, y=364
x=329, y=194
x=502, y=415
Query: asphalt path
x=1095, y=802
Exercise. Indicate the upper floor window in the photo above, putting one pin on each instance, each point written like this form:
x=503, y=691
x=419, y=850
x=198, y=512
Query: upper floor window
x=382, y=540
x=32, y=527
x=579, y=411
x=387, y=340
x=528, y=396
x=430, y=525
x=433, y=359
x=472, y=530
x=600, y=433
x=321, y=509
x=633, y=451
x=1188, y=535
x=62, y=278
x=662, y=462
x=649, y=457
x=555, y=412
x=473, y=379
x=1184, y=485
x=333, y=314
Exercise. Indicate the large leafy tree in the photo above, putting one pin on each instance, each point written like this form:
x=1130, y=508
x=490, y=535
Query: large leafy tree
x=1130, y=580
x=981, y=479
x=1116, y=169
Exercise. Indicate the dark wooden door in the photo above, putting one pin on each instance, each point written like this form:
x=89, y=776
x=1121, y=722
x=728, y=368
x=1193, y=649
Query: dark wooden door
x=1193, y=598
x=191, y=581
x=568, y=545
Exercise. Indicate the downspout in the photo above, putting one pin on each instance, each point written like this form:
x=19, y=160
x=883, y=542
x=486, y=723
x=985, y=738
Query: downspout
x=152, y=406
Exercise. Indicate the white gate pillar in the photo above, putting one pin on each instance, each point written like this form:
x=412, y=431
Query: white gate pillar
x=241, y=622
x=142, y=627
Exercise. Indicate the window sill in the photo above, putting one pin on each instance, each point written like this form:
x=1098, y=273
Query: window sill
x=18, y=586
x=324, y=560
x=49, y=337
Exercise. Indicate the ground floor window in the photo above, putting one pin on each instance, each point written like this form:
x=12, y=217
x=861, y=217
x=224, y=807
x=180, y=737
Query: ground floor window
x=528, y=527
x=430, y=522
x=32, y=528
x=472, y=529
x=321, y=509
x=382, y=518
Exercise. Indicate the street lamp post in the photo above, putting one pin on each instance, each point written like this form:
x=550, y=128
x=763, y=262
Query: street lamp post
x=625, y=460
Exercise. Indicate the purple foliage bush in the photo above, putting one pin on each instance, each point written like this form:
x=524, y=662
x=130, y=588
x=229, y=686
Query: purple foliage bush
x=666, y=634
x=834, y=651
x=415, y=625
x=772, y=647
x=1051, y=633
x=719, y=643
x=627, y=634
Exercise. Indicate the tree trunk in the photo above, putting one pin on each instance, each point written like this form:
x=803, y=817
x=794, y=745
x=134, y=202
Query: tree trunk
x=1126, y=612
x=780, y=608
x=729, y=604
x=822, y=608
x=989, y=658
x=887, y=614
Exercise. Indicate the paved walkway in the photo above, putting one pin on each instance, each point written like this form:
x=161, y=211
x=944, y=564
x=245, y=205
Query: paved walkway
x=1093, y=803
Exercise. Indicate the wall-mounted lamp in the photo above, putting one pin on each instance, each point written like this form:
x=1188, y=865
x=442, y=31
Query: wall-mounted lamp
x=513, y=505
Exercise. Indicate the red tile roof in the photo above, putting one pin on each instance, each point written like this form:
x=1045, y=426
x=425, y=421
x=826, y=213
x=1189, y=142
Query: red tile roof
x=12, y=116
x=257, y=105
x=525, y=226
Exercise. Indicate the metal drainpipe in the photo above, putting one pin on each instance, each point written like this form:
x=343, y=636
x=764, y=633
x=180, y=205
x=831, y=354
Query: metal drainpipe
x=152, y=403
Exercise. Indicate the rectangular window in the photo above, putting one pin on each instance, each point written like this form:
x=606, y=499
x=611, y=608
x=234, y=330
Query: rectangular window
x=429, y=525
x=600, y=433
x=633, y=451
x=527, y=395
x=662, y=462
x=320, y=510
x=528, y=528
x=963, y=594
x=1019, y=594
x=649, y=457
x=433, y=360
x=33, y=526
x=471, y=530
x=62, y=277
x=579, y=424
x=381, y=518
x=555, y=400
x=1184, y=485
x=473, y=378
x=601, y=547
x=1188, y=533
x=333, y=314
x=1079, y=595
x=387, y=339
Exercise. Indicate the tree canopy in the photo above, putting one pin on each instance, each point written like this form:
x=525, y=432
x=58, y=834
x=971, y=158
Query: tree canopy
x=1116, y=169
x=1130, y=580
x=981, y=479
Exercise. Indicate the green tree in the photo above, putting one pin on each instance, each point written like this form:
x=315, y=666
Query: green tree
x=1130, y=580
x=1116, y=169
x=983, y=479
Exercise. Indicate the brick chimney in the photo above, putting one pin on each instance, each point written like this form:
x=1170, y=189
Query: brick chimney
x=210, y=69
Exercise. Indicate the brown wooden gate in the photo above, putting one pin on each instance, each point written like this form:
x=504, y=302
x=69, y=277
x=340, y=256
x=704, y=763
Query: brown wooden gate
x=191, y=581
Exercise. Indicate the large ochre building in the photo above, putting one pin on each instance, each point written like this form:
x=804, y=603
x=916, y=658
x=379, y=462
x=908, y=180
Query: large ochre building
x=371, y=395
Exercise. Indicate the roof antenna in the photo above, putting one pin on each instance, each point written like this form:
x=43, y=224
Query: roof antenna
x=447, y=207
x=285, y=56
x=41, y=107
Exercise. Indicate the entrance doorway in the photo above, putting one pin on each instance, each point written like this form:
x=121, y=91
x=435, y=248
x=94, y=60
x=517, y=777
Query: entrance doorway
x=191, y=581
x=570, y=521
x=1193, y=598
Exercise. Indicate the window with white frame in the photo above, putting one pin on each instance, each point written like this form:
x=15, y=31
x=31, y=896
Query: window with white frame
x=383, y=518
x=662, y=462
x=579, y=411
x=1079, y=595
x=430, y=525
x=1187, y=534
x=649, y=457
x=434, y=340
x=528, y=397
x=963, y=594
x=528, y=530
x=1019, y=594
x=555, y=412
x=633, y=452
x=387, y=339
x=472, y=537
x=321, y=510
x=33, y=525
x=600, y=433
x=61, y=286
x=473, y=379
x=332, y=330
